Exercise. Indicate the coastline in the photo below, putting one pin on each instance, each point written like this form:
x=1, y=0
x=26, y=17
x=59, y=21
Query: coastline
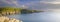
x=6, y=19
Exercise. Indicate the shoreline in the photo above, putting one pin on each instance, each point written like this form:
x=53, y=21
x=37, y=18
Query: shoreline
x=6, y=19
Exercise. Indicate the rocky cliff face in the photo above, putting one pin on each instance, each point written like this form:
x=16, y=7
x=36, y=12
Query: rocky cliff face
x=6, y=19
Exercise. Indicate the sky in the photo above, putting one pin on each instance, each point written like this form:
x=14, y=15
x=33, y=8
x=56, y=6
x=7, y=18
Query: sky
x=33, y=4
x=22, y=3
x=50, y=4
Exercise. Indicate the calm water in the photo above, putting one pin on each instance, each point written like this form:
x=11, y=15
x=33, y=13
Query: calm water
x=38, y=17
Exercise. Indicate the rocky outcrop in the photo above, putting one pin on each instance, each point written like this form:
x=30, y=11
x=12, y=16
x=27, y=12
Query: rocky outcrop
x=6, y=19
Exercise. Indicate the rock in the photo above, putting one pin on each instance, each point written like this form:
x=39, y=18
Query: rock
x=6, y=19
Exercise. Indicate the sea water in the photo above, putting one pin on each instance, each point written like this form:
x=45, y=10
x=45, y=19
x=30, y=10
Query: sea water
x=38, y=17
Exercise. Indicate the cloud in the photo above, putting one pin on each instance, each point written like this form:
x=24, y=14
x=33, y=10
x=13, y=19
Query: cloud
x=11, y=2
x=32, y=4
x=15, y=2
x=43, y=5
x=37, y=5
x=2, y=3
x=53, y=2
x=50, y=1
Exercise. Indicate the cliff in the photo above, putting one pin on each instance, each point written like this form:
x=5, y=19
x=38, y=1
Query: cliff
x=11, y=11
x=6, y=19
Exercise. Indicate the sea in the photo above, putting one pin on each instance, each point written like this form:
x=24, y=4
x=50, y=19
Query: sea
x=38, y=17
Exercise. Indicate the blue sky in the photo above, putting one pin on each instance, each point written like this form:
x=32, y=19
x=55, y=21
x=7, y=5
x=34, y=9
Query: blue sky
x=27, y=1
x=29, y=4
x=20, y=2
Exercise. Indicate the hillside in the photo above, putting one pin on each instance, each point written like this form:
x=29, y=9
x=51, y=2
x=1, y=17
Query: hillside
x=13, y=10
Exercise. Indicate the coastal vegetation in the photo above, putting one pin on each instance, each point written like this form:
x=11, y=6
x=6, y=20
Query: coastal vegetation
x=14, y=10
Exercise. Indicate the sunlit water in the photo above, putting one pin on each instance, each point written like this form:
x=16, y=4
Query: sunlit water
x=38, y=17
